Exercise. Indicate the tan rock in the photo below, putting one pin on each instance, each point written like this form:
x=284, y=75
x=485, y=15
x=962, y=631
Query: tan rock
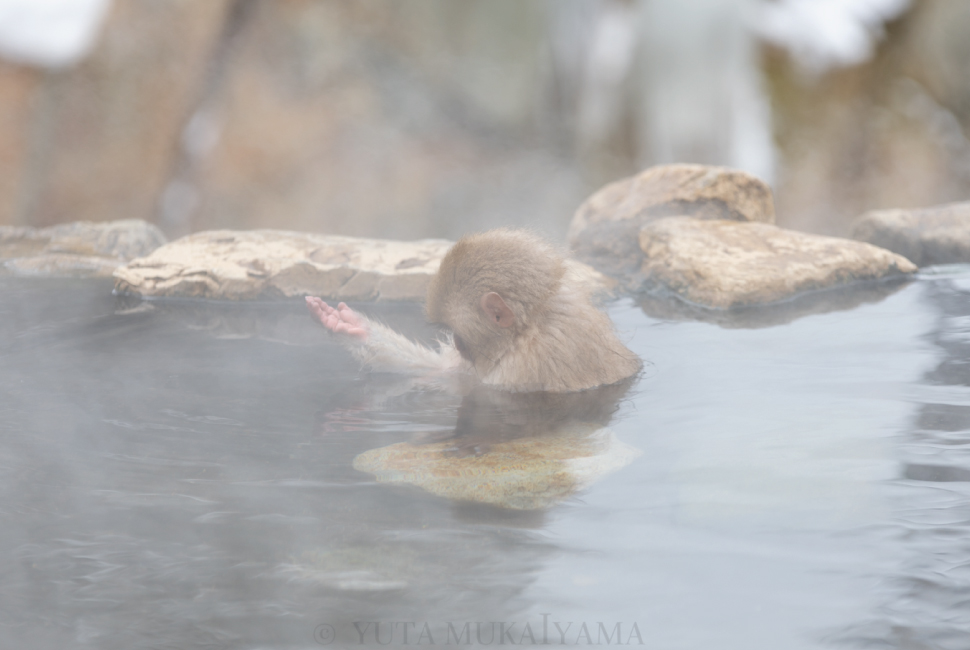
x=80, y=248
x=682, y=189
x=725, y=264
x=604, y=229
x=938, y=235
x=522, y=474
x=244, y=265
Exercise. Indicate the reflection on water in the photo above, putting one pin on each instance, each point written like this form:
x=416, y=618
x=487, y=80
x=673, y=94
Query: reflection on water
x=181, y=476
x=670, y=307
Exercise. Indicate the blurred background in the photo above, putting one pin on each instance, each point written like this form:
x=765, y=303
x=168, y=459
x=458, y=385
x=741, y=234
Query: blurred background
x=429, y=118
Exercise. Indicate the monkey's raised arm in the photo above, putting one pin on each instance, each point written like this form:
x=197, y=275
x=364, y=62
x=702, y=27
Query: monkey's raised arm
x=378, y=346
x=386, y=350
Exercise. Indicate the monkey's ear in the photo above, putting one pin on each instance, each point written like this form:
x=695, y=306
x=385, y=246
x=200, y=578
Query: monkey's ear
x=496, y=309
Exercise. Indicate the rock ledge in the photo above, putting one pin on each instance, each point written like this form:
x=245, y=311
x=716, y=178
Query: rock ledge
x=245, y=265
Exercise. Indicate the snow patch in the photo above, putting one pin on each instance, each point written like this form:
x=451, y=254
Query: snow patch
x=824, y=34
x=49, y=33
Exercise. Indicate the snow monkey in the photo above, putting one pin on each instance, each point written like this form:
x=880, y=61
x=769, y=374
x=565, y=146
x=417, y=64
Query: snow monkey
x=516, y=322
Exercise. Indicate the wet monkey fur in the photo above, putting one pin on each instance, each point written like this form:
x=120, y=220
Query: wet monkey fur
x=517, y=323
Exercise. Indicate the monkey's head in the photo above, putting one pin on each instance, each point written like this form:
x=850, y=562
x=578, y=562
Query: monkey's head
x=491, y=288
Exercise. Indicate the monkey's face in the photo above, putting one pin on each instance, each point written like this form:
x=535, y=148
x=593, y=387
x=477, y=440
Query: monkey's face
x=478, y=335
x=458, y=328
x=468, y=339
x=463, y=348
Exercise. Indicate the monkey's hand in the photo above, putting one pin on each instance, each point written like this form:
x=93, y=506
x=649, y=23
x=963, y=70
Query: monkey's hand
x=342, y=320
x=379, y=347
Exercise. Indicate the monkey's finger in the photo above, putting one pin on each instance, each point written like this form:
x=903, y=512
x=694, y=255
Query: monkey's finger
x=321, y=313
x=316, y=312
x=328, y=310
x=348, y=314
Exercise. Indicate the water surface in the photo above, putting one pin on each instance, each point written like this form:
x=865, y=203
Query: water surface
x=179, y=475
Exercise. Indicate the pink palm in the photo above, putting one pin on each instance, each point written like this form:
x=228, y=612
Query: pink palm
x=342, y=320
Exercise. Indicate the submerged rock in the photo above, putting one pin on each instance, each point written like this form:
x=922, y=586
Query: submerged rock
x=938, y=235
x=78, y=249
x=245, y=265
x=604, y=229
x=521, y=474
x=729, y=264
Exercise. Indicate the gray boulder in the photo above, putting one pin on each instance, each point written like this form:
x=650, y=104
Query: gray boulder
x=77, y=249
x=938, y=235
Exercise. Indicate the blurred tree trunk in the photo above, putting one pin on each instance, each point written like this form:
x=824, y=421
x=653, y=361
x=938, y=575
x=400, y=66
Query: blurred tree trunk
x=888, y=133
x=97, y=141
